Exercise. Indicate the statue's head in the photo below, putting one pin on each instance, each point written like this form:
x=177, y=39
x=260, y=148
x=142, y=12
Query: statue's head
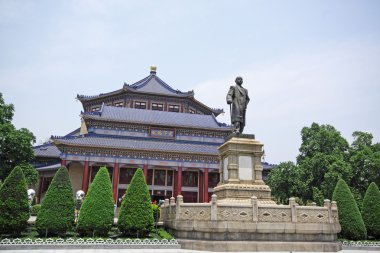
x=239, y=80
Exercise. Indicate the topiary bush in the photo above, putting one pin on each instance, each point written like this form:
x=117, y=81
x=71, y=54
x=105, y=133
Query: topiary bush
x=371, y=210
x=57, y=209
x=156, y=212
x=136, y=215
x=97, y=211
x=14, y=205
x=350, y=218
x=35, y=209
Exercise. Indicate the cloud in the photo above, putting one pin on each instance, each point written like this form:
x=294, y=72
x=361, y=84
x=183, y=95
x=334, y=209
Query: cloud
x=336, y=84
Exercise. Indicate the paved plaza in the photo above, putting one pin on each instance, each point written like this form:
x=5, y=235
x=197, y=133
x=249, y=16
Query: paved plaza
x=148, y=251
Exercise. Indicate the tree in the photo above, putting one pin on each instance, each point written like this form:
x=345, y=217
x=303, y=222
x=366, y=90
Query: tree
x=364, y=158
x=324, y=139
x=97, y=212
x=57, y=209
x=15, y=145
x=371, y=210
x=30, y=173
x=136, y=215
x=322, y=160
x=350, y=218
x=14, y=206
x=285, y=181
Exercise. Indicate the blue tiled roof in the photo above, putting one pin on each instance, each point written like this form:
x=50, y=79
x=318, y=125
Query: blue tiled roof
x=139, y=144
x=47, y=150
x=153, y=84
x=50, y=167
x=122, y=114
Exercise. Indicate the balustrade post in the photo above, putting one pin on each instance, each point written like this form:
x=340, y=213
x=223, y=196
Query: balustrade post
x=255, y=209
x=214, y=207
x=327, y=204
x=292, y=204
x=178, y=207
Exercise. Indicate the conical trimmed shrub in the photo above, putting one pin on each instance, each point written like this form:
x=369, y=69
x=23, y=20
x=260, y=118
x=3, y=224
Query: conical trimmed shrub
x=97, y=211
x=350, y=218
x=57, y=209
x=371, y=210
x=14, y=205
x=136, y=215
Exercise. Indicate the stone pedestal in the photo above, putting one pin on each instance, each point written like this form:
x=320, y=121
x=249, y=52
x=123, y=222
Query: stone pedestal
x=241, y=215
x=241, y=170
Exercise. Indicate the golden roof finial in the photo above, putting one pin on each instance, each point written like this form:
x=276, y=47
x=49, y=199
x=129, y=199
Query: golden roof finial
x=153, y=69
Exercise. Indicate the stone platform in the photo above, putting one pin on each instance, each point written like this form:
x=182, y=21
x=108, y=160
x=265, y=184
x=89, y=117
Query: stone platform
x=241, y=215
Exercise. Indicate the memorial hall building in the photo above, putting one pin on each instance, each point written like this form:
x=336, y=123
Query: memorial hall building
x=169, y=134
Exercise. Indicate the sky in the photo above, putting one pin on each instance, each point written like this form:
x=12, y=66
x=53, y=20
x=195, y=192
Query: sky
x=301, y=61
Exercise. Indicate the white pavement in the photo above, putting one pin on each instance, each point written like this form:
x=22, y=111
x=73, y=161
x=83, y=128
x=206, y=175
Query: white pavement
x=150, y=251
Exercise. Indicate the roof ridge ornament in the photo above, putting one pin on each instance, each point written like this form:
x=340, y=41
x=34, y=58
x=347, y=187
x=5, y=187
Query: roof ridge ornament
x=153, y=69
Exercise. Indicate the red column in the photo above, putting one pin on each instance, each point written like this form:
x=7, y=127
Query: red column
x=205, y=185
x=41, y=185
x=179, y=180
x=115, y=181
x=63, y=162
x=145, y=168
x=200, y=187
x=86, y=177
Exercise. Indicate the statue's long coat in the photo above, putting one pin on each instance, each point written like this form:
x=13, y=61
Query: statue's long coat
x=238, y=96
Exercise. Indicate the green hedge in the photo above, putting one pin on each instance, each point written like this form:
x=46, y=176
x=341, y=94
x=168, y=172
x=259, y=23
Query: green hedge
x=97, y=211
x=14, y=205
x=35, y=209
x=349, y=215
x=57, y=209
x=371, y=210
x=136, y=215
x=156, y=212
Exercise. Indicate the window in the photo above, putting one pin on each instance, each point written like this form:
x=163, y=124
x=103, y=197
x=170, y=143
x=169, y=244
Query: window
x=95, y=109
x=119, y=104
x=190, y=178
x=126, y=175
x=190, y=197
x=173, y=108
x=157, y=106
x=150, y=177
x=192, y=111
x=140, y=105
x=169, y=181
x=95, y=169
x=213, y=179
x=46, y=183
x=159, y=177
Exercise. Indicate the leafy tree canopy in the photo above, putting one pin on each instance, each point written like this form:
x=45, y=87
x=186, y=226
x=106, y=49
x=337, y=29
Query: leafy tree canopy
x=323, y=139
x=324, y=158
x=15, y=145
x=30, y=173
x=286, y=181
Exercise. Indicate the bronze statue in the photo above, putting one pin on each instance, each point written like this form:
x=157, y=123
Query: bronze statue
x=237, y=98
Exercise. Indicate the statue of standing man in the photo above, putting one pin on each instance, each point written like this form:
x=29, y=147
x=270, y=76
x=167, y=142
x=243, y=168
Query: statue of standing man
x=237, y=98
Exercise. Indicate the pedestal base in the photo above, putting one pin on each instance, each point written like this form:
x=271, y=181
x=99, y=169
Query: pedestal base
x=230, y=246
x=231, y=192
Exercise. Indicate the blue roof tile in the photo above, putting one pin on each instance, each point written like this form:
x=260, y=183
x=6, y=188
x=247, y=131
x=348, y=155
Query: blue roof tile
x=122, y=114
x=47, y=150
x=139, y=144
x=153, y=84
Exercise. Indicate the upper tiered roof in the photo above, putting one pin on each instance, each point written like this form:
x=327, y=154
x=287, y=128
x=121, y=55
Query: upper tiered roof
x=158, y=118
x=152, y=85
